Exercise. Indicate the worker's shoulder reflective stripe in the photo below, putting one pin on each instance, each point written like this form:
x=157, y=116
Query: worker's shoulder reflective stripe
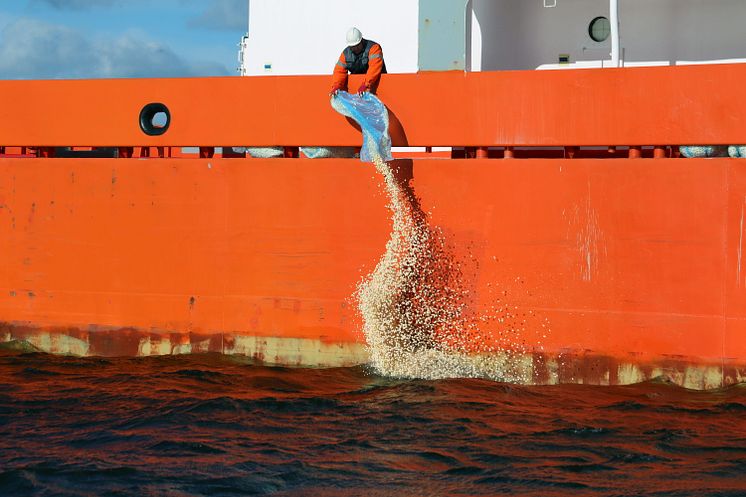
x=340, y=64
x=376, y=55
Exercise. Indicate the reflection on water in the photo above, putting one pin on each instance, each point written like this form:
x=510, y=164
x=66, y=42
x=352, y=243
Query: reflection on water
x=209, y=425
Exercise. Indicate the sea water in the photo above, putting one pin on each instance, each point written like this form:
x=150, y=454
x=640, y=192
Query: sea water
x=211, y=426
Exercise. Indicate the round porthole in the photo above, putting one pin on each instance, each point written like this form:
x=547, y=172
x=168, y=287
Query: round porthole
x=599, y=29
x=155, y=119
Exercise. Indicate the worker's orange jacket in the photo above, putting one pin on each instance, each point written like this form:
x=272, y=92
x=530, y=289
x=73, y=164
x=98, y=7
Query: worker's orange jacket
x=369, y=62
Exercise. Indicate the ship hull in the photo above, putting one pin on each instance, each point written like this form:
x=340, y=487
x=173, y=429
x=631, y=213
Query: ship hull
x=619, y=270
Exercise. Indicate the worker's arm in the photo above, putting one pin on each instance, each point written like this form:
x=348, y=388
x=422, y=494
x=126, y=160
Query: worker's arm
x=339, y=77
x=375, y=67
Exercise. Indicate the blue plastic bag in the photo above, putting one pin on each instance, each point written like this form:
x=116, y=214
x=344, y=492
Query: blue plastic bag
x=373, y=117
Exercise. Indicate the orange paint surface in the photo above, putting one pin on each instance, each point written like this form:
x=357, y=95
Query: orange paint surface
x=628, y=260
x=631, y=106
x=617, y=258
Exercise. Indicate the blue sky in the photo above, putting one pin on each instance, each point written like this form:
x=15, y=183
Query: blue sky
x=63, y=39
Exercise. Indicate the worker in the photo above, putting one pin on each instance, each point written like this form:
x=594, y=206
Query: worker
x=360, y=57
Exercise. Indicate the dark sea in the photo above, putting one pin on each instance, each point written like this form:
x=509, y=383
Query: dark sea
x=211, y=426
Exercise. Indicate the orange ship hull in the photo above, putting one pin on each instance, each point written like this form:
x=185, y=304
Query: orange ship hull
x=623, y=269
x=622, y=261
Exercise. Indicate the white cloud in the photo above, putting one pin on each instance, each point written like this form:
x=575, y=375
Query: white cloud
x=31, y=49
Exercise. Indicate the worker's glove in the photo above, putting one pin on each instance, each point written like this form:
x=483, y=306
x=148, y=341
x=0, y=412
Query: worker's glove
x=335, y=90
x=364, y=88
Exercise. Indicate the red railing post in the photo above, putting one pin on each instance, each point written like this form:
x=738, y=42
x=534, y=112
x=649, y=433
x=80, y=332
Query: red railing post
x=125, y=152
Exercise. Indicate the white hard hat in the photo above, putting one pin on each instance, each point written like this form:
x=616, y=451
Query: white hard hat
x=354, y=36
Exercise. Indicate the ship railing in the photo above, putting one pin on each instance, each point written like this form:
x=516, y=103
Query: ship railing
x=295, y=152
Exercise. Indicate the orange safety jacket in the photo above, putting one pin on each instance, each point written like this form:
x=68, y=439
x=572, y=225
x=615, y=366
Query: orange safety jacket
x=369, y=62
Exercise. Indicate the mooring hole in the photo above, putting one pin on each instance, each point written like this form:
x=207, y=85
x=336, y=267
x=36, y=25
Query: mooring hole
x=155, y=118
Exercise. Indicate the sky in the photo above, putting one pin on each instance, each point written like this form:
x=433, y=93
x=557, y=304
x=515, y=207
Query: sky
x=74, y=39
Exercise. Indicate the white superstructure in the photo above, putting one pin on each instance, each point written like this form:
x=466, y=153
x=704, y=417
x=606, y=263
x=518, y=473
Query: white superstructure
x=306, y=36
x=522, y=34
x=287, y=37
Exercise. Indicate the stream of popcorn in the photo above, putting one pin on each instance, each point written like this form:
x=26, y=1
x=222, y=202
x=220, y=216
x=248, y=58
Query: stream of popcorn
x=416, y=314
x=419, y=318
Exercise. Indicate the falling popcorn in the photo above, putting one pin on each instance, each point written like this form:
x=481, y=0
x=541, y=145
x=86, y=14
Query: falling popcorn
x=418, y=316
